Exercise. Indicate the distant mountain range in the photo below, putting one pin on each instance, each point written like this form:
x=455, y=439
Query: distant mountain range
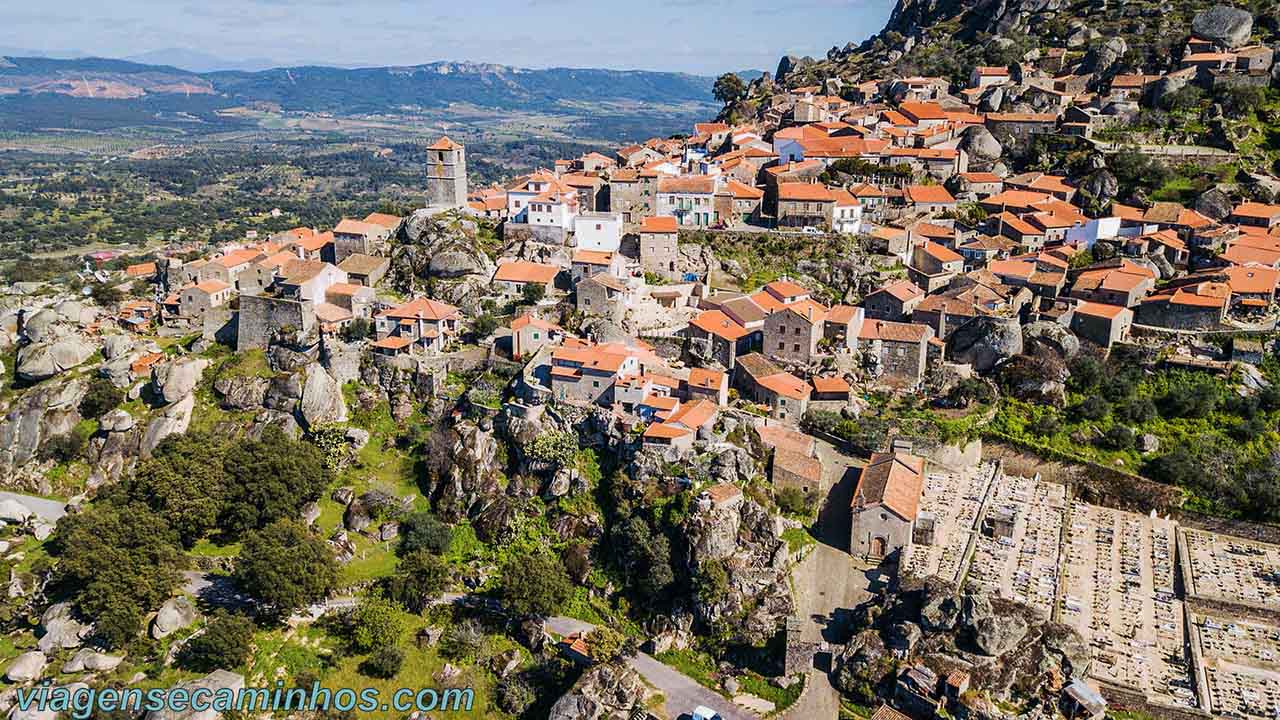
x=340, y=91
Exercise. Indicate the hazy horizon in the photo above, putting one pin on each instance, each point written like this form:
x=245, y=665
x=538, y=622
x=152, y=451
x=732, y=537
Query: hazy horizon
x=696, y=36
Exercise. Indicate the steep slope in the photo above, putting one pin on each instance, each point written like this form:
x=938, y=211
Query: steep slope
x=949, y=37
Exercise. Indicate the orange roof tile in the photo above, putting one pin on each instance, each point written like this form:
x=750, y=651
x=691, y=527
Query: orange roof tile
x=523, y=271
x=892, y=480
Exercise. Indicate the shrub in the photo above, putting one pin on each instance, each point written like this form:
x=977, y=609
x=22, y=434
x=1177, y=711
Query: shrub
x=533, y=586
x=794, y=501
x=384, y=663
x=224, y=644
x=461, y=640
x=375, y=622
x=424, y=531
x=101, y=398
x=514, y=696
x=63, y=448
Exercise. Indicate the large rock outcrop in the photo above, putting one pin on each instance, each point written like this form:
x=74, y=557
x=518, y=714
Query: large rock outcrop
x=175, y=380
x=605, y=692
x=746, y=540
x=43, y=360
x=1224, y=25
x=39, y=413
x=985, y=342
x=172, y=420
x=322, y=400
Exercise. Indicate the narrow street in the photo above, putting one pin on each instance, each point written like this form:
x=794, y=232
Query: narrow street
x=828, y=582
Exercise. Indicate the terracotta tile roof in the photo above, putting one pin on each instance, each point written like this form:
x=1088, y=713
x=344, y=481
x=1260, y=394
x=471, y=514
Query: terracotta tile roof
x=940, y=253
x=833, y=384
x=757, y=365
x=444, y=143
x=884, y=712
x=527, y=320
x=723, y=492
x=706, y=379
x=894, y=331
x=688, y=184
x=1016, y=199
x=1022, y=117
x=659, y=224
x=662, y=430
x=393, y=342
x=980, y=177
x=361, y=264
x=785, y=384
x=892, y=480
x=592, y=257
x=903, y=290
x=809, y=192
x=694, y=415
x=390, y=222
x=421, y=309
x=141, y=269
x=782, y=438
x=783, y=289
x=1101, y=310
x=930, y=194
x=717, y=323
x=842, y=314
x=1257, y=210
x=330, y=313
x=523, y=271
x=923, y=110
x=742, y=191
x=1252, y=279
x=211, y=286
x=347, y=226
x=804, y=466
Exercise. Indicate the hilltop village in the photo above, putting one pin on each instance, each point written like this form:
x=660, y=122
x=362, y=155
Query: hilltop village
x=843, y=409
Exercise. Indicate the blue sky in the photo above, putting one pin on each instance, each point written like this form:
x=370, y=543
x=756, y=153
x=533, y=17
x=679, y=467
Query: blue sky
x=702, y=36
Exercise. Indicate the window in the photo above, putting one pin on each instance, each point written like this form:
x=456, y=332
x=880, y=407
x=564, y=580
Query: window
x=782, y=402
x=797, y=330
x=782, y=346
x=536, y=336
x=795, y=347
x=595, y=383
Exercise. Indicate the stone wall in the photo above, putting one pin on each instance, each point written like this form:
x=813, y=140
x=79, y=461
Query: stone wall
x=262, y=317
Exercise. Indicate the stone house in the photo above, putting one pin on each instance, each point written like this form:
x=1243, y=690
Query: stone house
x=633, y=193
x=204, y=296
x=1195, y=306
x=511, y=277
x=352, y=237
x=894, y=301
x=367, y=270
x=358, y=299
x=688, y=198
x=585, y=374
x=530, y=334
x=1021, y=126
x=586, y=263
x=928, y=198
x=602, y=295
x=803, y=204
x=764, y=383
x=1101, y=324
x=885, y=504
x=422, y=324
x=1123, y=283
x=728, y=337
x=791, y=333
x=790, y=469
x=737, y=204
x=659, y=246
x=707, y=384
x=900, y=349
x=308, y=280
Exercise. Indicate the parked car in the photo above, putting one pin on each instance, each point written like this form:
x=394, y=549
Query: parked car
x=702, y=712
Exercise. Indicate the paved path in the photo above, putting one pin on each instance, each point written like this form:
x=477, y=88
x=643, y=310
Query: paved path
x=828, y=583
x=44, y=508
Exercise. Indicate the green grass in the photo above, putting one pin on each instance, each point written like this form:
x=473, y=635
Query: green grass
x=797, y=539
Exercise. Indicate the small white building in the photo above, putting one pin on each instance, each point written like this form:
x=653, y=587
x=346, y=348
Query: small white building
x=847, y=216
x=600, y=231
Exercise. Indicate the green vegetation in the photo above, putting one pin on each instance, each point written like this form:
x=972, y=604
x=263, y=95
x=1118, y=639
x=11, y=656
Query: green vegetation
x=285, y=567
x=1214, y=443
x=223, y=644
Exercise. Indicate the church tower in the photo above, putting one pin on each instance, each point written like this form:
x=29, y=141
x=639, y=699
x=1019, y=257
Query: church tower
x=446, y=174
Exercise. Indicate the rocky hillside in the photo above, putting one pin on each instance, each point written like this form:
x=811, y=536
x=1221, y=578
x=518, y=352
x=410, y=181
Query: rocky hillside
x=949, y=37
